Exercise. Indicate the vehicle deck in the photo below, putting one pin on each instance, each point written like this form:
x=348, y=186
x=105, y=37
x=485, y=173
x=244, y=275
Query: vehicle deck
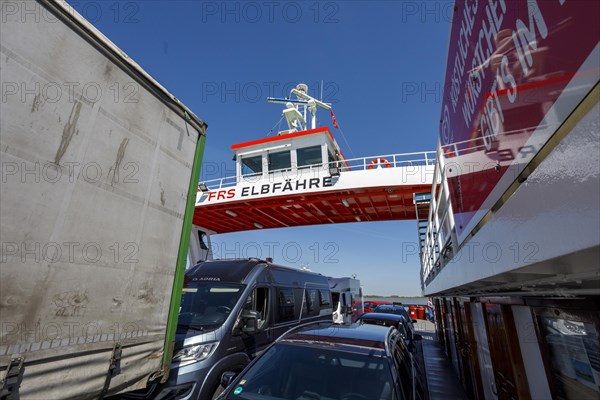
x=441, y=378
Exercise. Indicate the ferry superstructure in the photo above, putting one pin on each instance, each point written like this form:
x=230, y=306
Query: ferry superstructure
x=301, y=177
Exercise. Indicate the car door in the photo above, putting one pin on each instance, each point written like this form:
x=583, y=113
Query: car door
x=403, y=367
x=258, y=301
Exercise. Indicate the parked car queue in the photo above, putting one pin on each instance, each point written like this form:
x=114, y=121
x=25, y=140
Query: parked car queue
x=328, y=361
x=232, y=311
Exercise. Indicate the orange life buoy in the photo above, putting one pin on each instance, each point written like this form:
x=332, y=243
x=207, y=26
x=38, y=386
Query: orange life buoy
x=379, y=162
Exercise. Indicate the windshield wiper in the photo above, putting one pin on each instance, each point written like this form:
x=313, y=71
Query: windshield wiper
x=210, y=326
x=192, y=327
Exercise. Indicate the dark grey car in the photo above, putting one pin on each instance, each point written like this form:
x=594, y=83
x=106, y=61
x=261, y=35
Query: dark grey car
x=330, y=362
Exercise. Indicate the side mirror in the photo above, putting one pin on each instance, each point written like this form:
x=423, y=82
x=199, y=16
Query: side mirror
x=415, y=321
x=416, y=336
x=346, y=310
x=250, y=321
x=227, y=378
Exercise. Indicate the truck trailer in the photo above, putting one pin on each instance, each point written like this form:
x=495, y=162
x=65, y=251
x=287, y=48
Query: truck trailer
x=100, y=165
x=347, y=299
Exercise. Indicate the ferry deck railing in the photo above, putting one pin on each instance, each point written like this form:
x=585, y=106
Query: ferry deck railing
x=426, y=158
x=439, y=243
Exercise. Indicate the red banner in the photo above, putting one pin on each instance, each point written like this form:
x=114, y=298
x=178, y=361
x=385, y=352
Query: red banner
x=515, y=71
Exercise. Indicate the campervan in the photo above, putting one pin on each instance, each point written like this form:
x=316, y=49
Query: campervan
x=231, y=311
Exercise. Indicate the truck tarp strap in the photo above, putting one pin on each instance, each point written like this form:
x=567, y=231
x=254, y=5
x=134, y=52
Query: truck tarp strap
x=114, y=368
x=9, y=386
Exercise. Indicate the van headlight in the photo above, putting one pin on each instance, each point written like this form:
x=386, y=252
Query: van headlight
x=197, y=352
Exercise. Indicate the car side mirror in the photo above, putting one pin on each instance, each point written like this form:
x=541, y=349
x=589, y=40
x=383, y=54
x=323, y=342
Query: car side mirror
x=237, y=327
x=416, y=336
x=415, y=321
x=250, y=321
x=227, y=378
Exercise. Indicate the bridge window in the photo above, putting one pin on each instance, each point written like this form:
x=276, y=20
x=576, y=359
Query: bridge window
x=280, y=160
x=252, y=165
x=309, y=156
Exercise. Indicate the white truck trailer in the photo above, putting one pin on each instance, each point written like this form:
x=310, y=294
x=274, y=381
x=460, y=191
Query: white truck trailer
x=99, y=176
x=346, y=294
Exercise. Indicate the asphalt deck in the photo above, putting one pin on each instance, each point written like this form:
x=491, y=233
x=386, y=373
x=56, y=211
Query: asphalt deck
x=442, y=380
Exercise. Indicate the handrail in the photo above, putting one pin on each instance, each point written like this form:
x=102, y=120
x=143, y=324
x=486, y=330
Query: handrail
x=435, y=245
x=424, y=158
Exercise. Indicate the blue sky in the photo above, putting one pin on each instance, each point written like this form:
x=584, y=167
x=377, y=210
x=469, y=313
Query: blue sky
x=382, y=65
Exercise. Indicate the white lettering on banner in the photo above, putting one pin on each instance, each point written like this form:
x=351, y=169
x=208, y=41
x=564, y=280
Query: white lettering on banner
x=524, y=38
x=525, y=43
x=508, y=79
x=271, y=188
x=484, y=49
x=493, y=116
x=464, y=35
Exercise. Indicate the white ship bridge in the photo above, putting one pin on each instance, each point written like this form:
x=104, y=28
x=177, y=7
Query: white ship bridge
x=300, y=177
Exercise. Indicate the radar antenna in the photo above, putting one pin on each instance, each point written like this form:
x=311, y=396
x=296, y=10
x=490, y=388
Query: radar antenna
x=295, y=111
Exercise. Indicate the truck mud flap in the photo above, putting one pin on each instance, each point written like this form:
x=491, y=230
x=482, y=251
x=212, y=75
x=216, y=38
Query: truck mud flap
x=10, y=383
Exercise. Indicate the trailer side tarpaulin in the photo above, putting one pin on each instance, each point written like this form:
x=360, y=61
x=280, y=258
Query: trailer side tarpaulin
x=99, y=172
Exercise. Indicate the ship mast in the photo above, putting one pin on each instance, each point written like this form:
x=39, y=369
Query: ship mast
x=295, y=111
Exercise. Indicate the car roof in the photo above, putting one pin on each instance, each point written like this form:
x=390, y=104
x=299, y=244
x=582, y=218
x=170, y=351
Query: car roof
x=234, y=270
x=333, y=335
x=383, y=316
x=237, y=270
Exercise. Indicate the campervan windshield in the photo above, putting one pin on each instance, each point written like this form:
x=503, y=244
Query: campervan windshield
x=206, y=305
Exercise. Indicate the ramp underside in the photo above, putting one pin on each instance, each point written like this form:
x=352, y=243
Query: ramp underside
x=334, y=207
